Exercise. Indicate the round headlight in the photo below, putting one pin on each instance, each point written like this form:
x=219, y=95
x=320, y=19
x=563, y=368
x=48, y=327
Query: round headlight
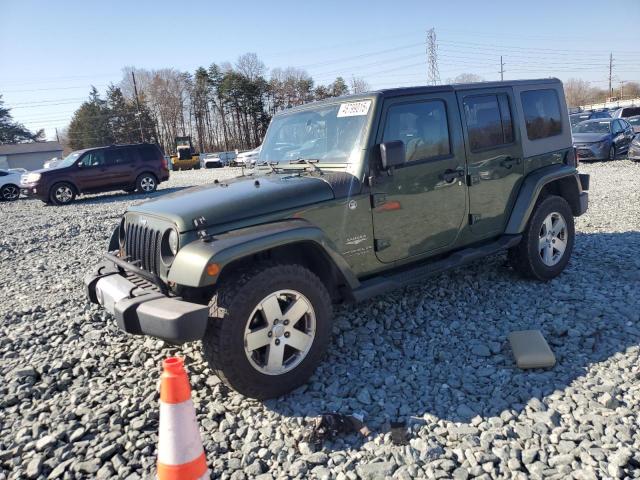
x=173, y=241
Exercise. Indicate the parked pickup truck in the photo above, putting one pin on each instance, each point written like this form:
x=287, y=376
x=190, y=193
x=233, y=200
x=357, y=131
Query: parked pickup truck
x=352, y=197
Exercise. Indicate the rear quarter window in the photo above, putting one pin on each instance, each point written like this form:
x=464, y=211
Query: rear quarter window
x=148, y=153
x=541, y=113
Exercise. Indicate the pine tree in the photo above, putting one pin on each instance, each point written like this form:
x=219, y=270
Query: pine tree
x=14, y=132
x=89, y=126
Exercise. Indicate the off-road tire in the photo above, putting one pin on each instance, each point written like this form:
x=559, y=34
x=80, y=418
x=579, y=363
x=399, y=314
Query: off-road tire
x=525, y=257
x=9, y=192
x=229, y=310
x=146, y=183
x=62, y=193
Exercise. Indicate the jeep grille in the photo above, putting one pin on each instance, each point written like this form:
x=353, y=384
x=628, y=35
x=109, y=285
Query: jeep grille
x=142, y=246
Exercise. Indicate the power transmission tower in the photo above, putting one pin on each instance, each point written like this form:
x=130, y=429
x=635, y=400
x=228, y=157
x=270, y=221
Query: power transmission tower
x=135, y=90
x=501, y=69
x=610, y=74
x=432, y=58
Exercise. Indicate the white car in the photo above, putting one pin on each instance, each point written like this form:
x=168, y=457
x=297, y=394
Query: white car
x=249, y=158
x=211, y=160
x=52, y=163
x=9, y=185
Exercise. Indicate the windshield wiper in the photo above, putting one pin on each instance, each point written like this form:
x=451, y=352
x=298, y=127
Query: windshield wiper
x=271, y=165
x=308, y=161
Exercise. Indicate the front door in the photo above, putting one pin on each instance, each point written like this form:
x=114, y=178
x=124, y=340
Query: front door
x=93, y=172
x=420, y=206
x=494, y=157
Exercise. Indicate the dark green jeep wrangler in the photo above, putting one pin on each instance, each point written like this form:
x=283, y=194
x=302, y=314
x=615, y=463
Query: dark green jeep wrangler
x=352, y=197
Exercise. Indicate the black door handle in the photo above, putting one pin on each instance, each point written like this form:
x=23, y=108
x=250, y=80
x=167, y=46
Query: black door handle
x=450, y=175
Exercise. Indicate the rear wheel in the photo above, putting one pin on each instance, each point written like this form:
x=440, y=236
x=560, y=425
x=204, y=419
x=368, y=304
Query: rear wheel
x=146, y=183
x=269, y=326
x=62, y=193
x=547, y=241
x=9, y=192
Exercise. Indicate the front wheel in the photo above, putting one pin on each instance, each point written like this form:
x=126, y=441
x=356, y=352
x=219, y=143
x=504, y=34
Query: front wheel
x=269, y=326
x=612, y=153
x=62, y=193
x=547, y=241
x=9, y=192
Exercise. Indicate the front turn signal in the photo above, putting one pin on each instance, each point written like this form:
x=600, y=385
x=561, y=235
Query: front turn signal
x=213, y=269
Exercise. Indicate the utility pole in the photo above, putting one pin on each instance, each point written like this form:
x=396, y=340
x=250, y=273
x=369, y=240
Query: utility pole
x=501, y=69
x=622, y=82
x=135, y=90
x=610, y=74
x=432, y=58
x=58, y=137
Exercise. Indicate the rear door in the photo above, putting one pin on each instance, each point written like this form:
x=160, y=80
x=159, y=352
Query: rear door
x=420, y=206
x=494, y=157
x=122, y=165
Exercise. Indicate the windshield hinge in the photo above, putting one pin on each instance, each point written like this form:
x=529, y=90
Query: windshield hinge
x=378, y=199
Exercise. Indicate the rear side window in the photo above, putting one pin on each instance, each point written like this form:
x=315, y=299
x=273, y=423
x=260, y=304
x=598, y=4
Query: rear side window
x=489, y=122
x=118, y=156
x=541, y=113
x=148, y=153
x=423, y=128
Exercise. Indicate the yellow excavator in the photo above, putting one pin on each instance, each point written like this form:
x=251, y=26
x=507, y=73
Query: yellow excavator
x=185, y=157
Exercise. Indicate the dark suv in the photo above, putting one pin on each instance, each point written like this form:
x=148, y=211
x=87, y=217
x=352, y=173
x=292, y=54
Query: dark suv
x=138, y=167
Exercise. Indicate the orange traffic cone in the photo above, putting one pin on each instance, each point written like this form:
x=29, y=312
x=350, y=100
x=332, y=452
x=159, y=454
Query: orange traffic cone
x=180, y=452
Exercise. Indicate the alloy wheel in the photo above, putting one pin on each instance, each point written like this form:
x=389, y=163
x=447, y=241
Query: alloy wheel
x=63, y=194
x=552, y=240
x=10, y=192
x=280, y=332
x=147, y=184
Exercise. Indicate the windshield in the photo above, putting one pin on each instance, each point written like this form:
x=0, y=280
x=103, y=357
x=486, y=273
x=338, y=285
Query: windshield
x=69, y=159
x=592, y=127
x=576, y=119
x=328, y=134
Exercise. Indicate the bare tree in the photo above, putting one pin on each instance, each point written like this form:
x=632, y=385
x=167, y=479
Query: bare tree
x=250, y=66
x=359, y=85
x=466, y=78
x=578, y=92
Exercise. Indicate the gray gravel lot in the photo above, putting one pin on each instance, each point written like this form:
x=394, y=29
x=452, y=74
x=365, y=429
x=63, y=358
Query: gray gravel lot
x=78, y=399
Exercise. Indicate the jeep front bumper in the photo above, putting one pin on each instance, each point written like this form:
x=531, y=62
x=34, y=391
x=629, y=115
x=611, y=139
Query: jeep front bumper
x=141, y=309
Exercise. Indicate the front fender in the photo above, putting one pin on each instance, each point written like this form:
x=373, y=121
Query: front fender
x=190, y=265
x=530, y=191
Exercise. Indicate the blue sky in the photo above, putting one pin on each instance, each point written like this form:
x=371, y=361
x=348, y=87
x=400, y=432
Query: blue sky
x=51, y=52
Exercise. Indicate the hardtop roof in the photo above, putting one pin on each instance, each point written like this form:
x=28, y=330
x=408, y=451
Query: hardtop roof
x=424, y=89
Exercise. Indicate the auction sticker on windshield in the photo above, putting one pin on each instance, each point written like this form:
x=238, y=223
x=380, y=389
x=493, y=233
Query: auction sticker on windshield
x=354, y=109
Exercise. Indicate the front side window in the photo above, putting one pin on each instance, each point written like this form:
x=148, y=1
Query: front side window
x=421, y=126
x=489, y=123
x=541, y=113
x=93, y=159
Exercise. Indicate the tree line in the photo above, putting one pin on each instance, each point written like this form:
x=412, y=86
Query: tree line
x=223, y=107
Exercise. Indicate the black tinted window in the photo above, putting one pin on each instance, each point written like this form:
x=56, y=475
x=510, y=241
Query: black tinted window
x=488, y=120
x=117, y=156
x=3, y=174
x=148, y=153
x=541, y=113
x=421, y=126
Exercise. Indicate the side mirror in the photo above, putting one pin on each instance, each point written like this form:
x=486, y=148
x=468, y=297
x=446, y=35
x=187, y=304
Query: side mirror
x=392, y=154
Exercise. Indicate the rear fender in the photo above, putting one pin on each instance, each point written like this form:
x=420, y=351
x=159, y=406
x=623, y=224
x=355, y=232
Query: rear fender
x=561, y=180
x=189, y=268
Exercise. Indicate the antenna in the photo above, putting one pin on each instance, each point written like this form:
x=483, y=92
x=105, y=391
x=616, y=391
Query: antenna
x=432, y=57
